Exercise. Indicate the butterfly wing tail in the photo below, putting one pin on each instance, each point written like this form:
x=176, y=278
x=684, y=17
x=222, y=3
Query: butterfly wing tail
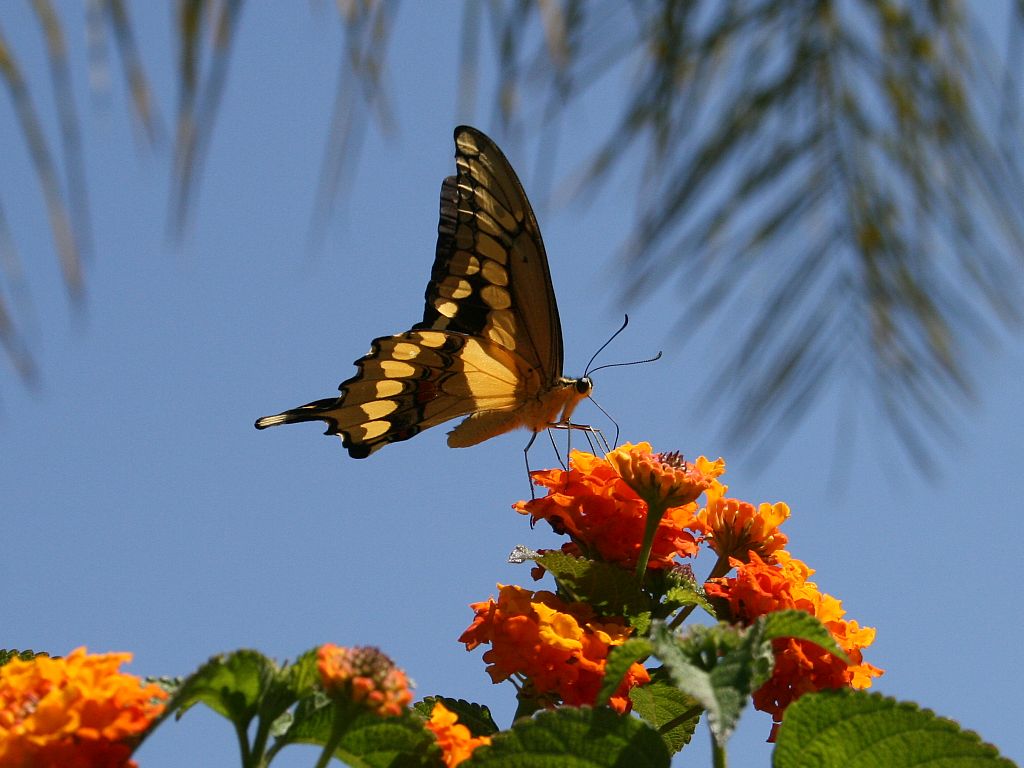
x=309, y=412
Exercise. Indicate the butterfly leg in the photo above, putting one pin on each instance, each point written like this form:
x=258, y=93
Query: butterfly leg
x=526, y=458
x=554, y=447
x=596, y=440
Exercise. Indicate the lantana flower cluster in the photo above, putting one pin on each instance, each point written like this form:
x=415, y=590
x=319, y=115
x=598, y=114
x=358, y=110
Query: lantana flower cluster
x=637, y=508
x=364, y=676
x=759, y=588
x=78, y=711
x=599, y=503
x=557, y=650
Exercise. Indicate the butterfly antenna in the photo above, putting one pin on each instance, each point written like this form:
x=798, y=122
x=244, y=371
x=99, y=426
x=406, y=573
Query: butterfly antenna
x=600, y=349
x=632, y=362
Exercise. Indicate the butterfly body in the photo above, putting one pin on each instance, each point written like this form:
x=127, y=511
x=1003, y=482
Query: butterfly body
x=490, y=344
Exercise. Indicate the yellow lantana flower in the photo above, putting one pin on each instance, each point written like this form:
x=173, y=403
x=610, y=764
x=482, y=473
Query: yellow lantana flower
x=73, y=712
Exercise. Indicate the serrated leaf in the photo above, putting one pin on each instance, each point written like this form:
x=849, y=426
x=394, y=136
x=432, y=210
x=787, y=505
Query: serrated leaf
x=6, y=654
x=855, y=729
x=682, y=595
x=572, y=737
x=620, y=659
x=369, y=741
x=801, y=626
x=476, y=717
x=671, y=712
x=312, y=720
x=737, y=672
x=611, y=590
x=302, y=674
x=229, y=684
x=283, y=688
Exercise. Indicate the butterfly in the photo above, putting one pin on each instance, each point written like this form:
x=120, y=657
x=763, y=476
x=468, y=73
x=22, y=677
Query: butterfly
x=489, y=346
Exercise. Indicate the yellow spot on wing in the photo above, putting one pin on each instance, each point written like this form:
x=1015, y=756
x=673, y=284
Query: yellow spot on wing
x=372, y=429
x=394, y=369
x=492, y=249
x=378, y=409
x=454, y=288
x=494, y=273
x=496, y=297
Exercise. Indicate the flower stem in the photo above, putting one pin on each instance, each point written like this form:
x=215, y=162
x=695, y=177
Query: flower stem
x=719, y=759
x=344, y=713
x=655, y=512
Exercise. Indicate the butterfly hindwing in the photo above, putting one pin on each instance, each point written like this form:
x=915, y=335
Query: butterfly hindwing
x=411, y=381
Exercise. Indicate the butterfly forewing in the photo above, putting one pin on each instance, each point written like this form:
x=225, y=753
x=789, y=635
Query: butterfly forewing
x=490, y=275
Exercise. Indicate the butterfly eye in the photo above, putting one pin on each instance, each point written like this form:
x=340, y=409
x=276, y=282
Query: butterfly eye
x=584, y=385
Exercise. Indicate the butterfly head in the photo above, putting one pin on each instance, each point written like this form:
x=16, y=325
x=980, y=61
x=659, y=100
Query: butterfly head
x=584, y=386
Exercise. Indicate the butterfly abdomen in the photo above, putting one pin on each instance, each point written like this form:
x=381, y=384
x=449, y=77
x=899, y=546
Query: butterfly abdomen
x=553, y=406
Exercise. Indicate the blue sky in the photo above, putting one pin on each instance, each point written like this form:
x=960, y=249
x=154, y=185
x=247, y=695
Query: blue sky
x=142, y=511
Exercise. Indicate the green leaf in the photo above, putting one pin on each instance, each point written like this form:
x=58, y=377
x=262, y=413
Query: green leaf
x=718, y=666
x=571, y=737
x=229, y=684
x=671, y=712
x=12, y=653
x=476, y=717
x=855, y=729
x=302, y=675
x=369, y=741
x=620, y=659
x=684, y=594
x=611, y=590
x=802, y=626
x=282, y=688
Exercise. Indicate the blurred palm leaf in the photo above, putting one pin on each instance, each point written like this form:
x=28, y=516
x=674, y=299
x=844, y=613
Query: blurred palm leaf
x=819, y=173
x=824, y=174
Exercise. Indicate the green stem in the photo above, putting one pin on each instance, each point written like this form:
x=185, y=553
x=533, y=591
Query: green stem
x=526, y=707
x=655, y=511
x=681, y=616
x=243, y=744
x=344, y=713
x=329, y=747
x=718, y=757
x=257, y=756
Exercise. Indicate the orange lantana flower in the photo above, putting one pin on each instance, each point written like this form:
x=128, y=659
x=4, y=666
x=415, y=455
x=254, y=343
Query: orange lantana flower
x=605, y=515
x=557, y=649
x=364, y=676
x=800, y=666
x=456, y=741
x=663, y=479
x=733, y=528
x=73, y=712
